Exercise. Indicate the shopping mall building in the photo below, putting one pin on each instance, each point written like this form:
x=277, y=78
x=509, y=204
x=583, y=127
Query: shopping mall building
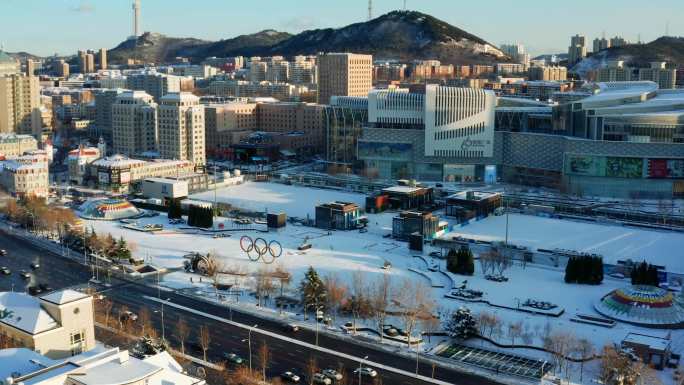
x=623, y=139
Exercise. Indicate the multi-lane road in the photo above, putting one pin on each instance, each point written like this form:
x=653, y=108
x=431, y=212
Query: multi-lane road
x=226, y=337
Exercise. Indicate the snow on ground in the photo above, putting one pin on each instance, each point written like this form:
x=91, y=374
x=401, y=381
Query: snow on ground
x=346, y=252
x=274, y=197
x=611, y=241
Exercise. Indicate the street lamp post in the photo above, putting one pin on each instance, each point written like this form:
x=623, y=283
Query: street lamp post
x=249, y=344
x=416, y=358
x=316, y=319
x=361, y=366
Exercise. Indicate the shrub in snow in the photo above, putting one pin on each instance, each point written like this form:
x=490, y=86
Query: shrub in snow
x=461, y=261
x=461, y=324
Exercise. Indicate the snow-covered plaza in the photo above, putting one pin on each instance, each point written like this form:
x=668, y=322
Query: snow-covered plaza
x=345, y=252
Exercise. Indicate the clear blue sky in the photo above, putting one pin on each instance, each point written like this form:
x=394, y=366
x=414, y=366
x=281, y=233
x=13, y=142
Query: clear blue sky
x=46, y=27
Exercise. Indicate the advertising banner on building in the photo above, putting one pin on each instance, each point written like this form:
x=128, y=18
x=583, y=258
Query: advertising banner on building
x=385, y=150
x=125, y=177
x=665, y=168
x=588, y=165
x=624, y=167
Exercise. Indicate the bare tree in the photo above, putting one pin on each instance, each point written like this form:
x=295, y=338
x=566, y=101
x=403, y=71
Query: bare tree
x=145, y=320
x=559, y=345
x=264, y=355
x=381, y=294
x=311, y=369
x=204, y=340
x=336, y=292
x=430, y=325
x=515, y=330
x=416, y=303
x=263, y=284
x=585, y=350
x=182, y=332
x=358, y=303
x=106, y=305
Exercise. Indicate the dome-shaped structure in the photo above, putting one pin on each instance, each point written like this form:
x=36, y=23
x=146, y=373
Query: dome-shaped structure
x=648, y=306
x=109, y=210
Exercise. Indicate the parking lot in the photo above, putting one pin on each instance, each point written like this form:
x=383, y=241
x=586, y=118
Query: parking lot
x=497, y=361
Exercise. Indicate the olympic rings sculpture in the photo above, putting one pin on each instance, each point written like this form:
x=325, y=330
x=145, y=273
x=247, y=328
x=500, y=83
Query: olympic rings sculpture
x=261, y=247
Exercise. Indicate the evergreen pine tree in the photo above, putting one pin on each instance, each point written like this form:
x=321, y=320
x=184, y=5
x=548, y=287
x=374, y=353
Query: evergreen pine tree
x=312, y=289
x=452, y=261
x=462, y=324
x=570, y=271
x=175, y=211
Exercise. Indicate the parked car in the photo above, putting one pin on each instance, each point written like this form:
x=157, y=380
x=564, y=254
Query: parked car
x=4, y=270
x=435, y=254
x=290, y=377
x=366, y=371
x=363, y=230
x=129, y=316
x=233, y=358
x=34, y=290
x=319, y=378
x=35, y=266
x=25, y=274
x=45, y=288
x=332, y=374
x=3, y=252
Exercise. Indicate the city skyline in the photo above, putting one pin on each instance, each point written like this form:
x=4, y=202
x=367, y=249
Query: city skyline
x=65, y=26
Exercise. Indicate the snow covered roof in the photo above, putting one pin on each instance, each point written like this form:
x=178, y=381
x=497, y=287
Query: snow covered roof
x=119, y=161
x=653, y=342
x=117, y=372
x=24, y=312
x=64, y=296
x=402, y=189
x=21, y=361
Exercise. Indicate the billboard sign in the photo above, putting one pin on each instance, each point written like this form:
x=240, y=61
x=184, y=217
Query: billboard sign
x=585, y=165
x=666, y=168
x=631, y=168
x=385, y=150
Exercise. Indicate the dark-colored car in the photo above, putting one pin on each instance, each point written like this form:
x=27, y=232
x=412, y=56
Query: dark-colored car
x=4, y=270
x=34, y=290
x=233, y=358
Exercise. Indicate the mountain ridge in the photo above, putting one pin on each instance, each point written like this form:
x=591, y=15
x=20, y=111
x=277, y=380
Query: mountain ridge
x=405, y=35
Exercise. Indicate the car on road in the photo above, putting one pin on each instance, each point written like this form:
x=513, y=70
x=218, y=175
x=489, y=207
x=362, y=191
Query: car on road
x=435, y=254
x=129, y=316
x=332, y=374
x=3, y=252
x=45, y=288
x=35, y=266
x=233, y=358
x=4, y=270
x=319, y=378
x=34, y=290
x=366, y=371
x=290, y=377
x=25, y=274
x=292, y=328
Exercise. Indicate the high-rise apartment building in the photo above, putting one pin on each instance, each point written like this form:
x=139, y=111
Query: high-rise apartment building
x=344, y=74
x=61, y=68
x=104, y=99
x=134, y=123
x=86, y=60
x=19, y=97
x=155, y=84
x=8, y=65
x=103, y=58
x=181, y=128
x=257, y=71
x=278, y=71
x=618, y=41
x=227, y=124
x=616, y=71
x=600, y=44
x=548, y=73
x=303, y=70
x=577, y=50
x=517, y=52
